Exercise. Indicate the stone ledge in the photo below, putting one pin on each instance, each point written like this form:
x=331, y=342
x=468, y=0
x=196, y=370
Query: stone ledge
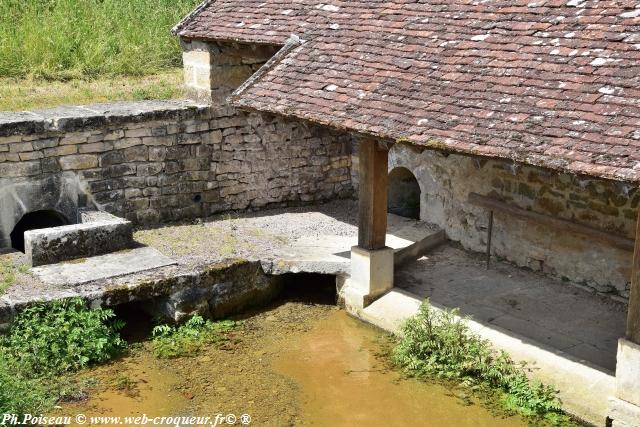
x=104, y=233
x=72, y=118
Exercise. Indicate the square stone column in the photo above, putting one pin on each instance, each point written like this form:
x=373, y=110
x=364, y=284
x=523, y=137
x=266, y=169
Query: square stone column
x=213, y=70
x=624, y=407
x=371, y=276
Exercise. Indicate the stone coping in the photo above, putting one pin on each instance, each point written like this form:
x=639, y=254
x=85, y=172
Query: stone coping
x=72, y=118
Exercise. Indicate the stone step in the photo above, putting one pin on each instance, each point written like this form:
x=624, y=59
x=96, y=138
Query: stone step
x=102, y=267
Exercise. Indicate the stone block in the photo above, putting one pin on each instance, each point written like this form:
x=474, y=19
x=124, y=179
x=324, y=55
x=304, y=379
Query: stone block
x=136, y=154
x=159, y=140
x=623, y=414
x=136, y=133
x=20, y=147
x=32, y=155
x=96, y=147
x=371, y=274
x=63, y=150
x=628, y=372
x=112, y=158
x=10, y=170
x=157, y=154
x=57, y=244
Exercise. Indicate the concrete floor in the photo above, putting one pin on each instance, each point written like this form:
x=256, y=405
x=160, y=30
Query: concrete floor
x=554, y=314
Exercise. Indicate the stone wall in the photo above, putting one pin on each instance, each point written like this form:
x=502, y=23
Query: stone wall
x=447, y=180
x=152, y=162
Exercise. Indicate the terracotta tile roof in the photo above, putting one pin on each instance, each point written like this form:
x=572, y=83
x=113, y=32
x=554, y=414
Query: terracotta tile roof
x=546, y=82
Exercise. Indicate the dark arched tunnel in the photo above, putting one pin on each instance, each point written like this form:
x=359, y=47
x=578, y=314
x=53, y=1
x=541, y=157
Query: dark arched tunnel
x=33, y=221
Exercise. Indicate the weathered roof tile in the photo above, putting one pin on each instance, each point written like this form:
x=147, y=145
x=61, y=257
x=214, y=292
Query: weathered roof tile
x=552, y=83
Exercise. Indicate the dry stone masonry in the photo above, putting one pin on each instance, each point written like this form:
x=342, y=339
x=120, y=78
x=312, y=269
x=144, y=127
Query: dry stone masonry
x=446, y=180
x=152, y=162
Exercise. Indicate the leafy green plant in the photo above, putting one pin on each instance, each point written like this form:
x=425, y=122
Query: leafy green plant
x=439, y=344
x=20, y=393
x=63, y=336
x=47, y=340
x=188, y=339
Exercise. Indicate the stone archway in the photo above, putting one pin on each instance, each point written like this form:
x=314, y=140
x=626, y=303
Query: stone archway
x=404, y=193
x=34, y=221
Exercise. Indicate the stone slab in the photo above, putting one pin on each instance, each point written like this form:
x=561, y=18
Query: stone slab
x=331, y=254
x=102, y=267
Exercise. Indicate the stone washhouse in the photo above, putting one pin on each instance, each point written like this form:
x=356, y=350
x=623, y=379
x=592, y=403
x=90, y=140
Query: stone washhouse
x=512, y=126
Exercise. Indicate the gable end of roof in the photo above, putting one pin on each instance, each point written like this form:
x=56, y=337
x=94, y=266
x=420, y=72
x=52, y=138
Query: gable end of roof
x=187, y=19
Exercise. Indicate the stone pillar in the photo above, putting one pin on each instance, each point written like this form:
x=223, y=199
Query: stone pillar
x=213, y=70
x=197, y=59
x=624, y=407
x=371, y=260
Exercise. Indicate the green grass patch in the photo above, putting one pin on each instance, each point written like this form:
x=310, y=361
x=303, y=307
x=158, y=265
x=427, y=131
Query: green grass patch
x=188, y=339
x=70, y=39
x=438, y=344
x=46, y=341
x=9, y=272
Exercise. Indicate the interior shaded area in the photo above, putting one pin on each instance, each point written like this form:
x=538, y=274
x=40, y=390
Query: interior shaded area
x=404, y=194
x=34, y=221
x=311, y=288
x=138, y=320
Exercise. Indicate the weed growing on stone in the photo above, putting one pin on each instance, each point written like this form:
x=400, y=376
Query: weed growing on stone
x=46, y=341
x=439, y=344
x=188, y=339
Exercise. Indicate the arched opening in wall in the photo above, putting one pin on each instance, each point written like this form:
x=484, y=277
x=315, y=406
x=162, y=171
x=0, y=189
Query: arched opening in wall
x=33, y=221
x=404, y=193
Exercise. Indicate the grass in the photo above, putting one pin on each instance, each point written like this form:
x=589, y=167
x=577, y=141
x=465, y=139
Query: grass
x=74, y=39
x=33, y=93
x=439, y=344
x=56, y=52
x=9, y=272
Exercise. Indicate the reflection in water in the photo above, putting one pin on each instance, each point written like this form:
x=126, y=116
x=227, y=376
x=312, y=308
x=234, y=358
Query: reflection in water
x=343, y=383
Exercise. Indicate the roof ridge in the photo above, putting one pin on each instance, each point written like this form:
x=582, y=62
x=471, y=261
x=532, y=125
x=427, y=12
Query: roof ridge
x=184, y=21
